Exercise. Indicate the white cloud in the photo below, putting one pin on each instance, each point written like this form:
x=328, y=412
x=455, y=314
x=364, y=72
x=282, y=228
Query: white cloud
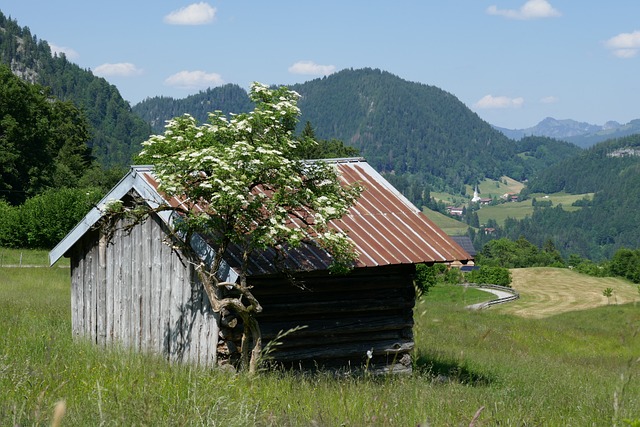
x=624, y=45
x=490, y=102
x=311, y=68
x=549, y=100
x=194, y=14
x=68, y=52
x=122, y=69
x=532, y=9
x=194, y=80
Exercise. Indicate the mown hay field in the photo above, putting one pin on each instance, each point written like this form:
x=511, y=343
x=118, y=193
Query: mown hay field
x=549, y=291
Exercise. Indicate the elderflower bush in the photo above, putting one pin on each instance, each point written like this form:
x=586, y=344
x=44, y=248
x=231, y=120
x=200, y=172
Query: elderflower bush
x=243, y=175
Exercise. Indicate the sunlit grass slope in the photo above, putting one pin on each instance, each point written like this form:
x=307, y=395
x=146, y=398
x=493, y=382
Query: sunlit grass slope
x=567, y=369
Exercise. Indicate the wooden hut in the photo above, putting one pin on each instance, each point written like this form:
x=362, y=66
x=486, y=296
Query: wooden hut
x=136, y=290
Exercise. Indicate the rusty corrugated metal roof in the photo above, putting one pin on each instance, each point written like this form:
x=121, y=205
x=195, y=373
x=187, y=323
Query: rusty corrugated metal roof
x=384, y=226
x=388, y=229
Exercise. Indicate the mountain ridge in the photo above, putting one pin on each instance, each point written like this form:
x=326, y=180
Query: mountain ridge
x=582, y=134
x=399, y=126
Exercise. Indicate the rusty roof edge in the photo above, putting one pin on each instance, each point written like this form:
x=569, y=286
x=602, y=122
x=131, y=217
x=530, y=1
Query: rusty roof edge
x=134, y=180
x=380, y=180
x=399, y=210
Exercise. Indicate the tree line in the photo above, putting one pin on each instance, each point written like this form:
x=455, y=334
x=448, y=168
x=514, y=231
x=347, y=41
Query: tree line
x=49, y=178
x=42, y=140
x=521, y=253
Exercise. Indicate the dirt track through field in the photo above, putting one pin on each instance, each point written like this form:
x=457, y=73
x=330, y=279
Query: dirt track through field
x=548, y=291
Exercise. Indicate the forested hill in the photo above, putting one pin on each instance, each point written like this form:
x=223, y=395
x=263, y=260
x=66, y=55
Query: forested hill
x=419, y=136
x=604, y=224
x=598, y=168
x=116, y=131
x=229, y=98
x=408, y=129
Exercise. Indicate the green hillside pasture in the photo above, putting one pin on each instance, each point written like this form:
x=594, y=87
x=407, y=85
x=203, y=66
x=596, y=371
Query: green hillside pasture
x=488, y=188
x=519, y=210
x=567, y=369
x=491, y=188
x=449, y=225
x=450, y=199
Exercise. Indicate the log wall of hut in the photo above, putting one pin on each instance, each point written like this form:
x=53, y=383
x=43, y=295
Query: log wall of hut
x=135, y=290
x=345, y=316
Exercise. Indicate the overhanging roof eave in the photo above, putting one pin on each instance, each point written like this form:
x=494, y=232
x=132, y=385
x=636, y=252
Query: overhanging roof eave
x=131, y=181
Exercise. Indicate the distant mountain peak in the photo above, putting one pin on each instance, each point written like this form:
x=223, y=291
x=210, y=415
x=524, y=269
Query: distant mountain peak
x=582, y=134
x=612, y=124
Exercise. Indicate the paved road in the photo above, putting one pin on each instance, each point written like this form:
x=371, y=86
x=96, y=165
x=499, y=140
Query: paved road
x=500, y=294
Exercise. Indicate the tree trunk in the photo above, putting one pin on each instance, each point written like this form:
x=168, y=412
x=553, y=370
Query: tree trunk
x=251, y=347
x=256, y=351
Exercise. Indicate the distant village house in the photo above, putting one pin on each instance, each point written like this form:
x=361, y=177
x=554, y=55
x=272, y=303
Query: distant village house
x=454, y=210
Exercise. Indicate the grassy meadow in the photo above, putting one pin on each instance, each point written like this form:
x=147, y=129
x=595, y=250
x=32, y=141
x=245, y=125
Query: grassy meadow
x=500, y=212
x=487, y=188
x=28, y=257
x=451, y=226
x=519, y=210
x=573, y=368
x=492, y=188
x=495, y=189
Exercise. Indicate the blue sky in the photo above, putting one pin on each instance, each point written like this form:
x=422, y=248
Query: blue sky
x=513, y=62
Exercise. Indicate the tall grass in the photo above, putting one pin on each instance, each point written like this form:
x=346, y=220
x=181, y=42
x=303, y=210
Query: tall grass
x=563, y=370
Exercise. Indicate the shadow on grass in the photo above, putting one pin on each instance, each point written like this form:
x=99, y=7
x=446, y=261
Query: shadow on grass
x=445, y=370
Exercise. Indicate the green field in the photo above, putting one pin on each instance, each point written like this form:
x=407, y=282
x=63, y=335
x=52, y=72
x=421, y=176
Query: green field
x=519, y=210
x=488, y=188
x=449, y=225
x=492, y=188
x=28, y=257
x=547, y=291
x=574, y=368
x=499, y=212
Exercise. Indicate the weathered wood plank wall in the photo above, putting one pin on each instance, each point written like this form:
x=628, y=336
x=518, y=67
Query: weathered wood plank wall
x=345, y=316
x=137, y=291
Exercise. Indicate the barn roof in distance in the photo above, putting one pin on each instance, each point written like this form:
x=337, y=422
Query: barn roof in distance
x=385, y=227
x=466, y=244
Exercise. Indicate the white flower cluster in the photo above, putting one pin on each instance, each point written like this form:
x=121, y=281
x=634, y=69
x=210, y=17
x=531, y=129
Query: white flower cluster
x=243, y=168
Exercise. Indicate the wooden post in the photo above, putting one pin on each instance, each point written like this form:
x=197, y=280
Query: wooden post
x=101, y=288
